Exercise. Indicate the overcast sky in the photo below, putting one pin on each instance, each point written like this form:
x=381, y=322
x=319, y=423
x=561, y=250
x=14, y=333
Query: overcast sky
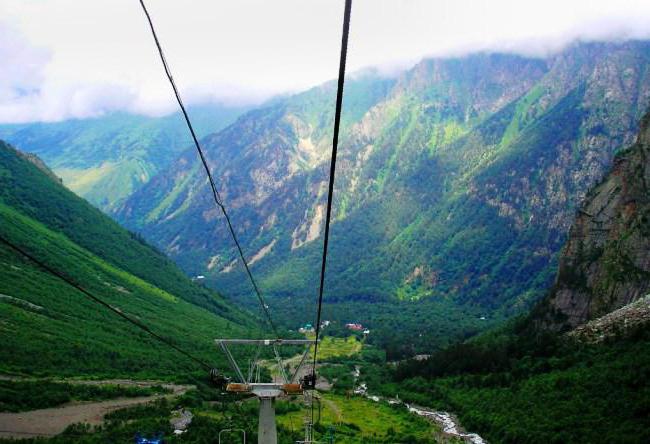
x=80, y=58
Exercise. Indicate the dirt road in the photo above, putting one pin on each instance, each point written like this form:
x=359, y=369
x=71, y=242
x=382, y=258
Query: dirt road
x=52, y=421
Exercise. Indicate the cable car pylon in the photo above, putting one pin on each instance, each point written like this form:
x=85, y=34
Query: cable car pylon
x=310, y=397
x=266, y=392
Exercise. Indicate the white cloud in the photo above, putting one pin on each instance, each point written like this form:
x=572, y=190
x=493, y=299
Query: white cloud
x=71, y=58
x=22, y=73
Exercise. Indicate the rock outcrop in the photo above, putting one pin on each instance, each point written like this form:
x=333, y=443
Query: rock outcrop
x=619, y=322
x=605, y=264
x=38, y=163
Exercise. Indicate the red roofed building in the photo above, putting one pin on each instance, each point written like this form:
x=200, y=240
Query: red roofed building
x=354, y=327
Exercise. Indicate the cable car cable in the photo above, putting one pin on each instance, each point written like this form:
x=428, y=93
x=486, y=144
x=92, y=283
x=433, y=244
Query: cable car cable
x=330, y=193
x=215, y=192
x=135, y=322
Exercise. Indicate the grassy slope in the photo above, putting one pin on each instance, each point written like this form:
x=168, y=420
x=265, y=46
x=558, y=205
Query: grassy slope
x=359, y=420
x=354, y=419
x=47, y=327
x=27, y=190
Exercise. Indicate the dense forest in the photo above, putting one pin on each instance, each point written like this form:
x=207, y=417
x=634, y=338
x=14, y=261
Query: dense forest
x=517, y=388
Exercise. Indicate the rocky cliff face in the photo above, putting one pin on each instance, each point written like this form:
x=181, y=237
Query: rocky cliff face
x=606, y=262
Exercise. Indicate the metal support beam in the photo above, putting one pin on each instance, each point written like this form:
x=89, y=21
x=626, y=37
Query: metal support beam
x=302, y=361
x=232, y=361
x=283, y=373
x=253, y=367
x=267, y=432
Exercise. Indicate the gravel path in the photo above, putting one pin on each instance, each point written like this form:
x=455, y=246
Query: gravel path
x=52, y=421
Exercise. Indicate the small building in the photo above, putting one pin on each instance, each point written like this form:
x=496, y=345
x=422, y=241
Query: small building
x=307, y=328
x=354, y=327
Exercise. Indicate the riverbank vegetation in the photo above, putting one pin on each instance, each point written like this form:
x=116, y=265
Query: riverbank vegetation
x=518, y=388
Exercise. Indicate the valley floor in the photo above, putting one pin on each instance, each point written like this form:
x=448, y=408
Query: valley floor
x=52, y=421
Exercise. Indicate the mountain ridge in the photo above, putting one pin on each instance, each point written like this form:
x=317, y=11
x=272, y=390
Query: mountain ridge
x=105, y=159
x=456, y=151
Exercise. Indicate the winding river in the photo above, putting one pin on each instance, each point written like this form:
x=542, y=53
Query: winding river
x=449, y=424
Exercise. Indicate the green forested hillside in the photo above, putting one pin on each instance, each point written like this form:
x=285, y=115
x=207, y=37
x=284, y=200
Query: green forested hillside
x=457, y=182
x=105, y=159
x=510, y=388
x=49, y=328
x=528, y=382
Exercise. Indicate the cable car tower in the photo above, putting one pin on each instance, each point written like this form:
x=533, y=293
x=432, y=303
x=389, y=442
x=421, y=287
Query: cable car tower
x=266, y=392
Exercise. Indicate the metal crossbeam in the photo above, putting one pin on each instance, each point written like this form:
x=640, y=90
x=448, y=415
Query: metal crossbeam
x=253, y=365
x=299, y=366
x=278, y=359
x=232, y=362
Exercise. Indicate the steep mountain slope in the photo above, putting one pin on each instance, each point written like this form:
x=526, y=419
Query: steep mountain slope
x=526, y=381
x=459, y=179
x=47, y=327
x=266, y=164
x=606, y=262
x=105, y=159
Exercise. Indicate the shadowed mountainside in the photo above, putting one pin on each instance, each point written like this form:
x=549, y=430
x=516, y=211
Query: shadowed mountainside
x=605, y=264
